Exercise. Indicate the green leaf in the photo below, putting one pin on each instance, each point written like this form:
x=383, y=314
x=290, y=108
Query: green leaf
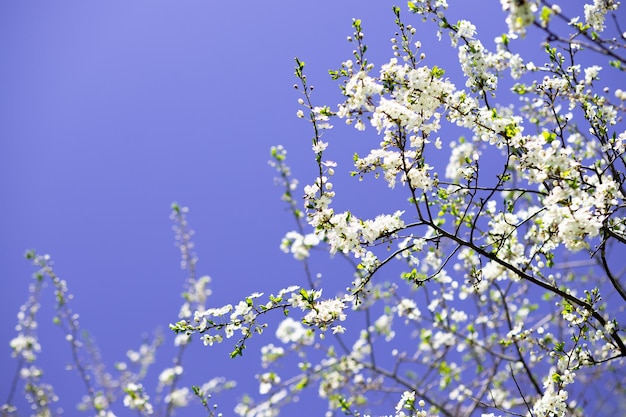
x=548, y=136
x=545, y=15
x=238, y=351
x=302, y=384
x=437, y=72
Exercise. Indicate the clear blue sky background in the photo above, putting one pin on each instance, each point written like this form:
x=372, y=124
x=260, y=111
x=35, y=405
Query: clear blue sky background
x=109, y=111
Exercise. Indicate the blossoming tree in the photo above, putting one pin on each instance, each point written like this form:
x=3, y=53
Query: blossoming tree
x=492, y=287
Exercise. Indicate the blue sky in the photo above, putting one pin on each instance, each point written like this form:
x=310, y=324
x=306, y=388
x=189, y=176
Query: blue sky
x=110, y=111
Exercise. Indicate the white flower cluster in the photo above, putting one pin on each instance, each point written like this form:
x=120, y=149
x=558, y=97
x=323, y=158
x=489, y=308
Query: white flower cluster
x=412, y=100
x=292, y=331
x=179, y=397
x=474, y=63
x=553, y=402
x=359, y=90
x=243, y=318
x=408, y=406
x=268, y=408
x=416, y=107
x=299, y=245
x=137, y=399
x=25, y=346
x=425, y=7
x=240, y=318
x=101, y=405
x=271, y=353
x=168, y=375
x=195, y=297
x=326, y=312
x=460, y=165
x=595, y=13
x=576, y=206
x=144, y=356
x=267, y=381
x=344, y=232
x=521, y=14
